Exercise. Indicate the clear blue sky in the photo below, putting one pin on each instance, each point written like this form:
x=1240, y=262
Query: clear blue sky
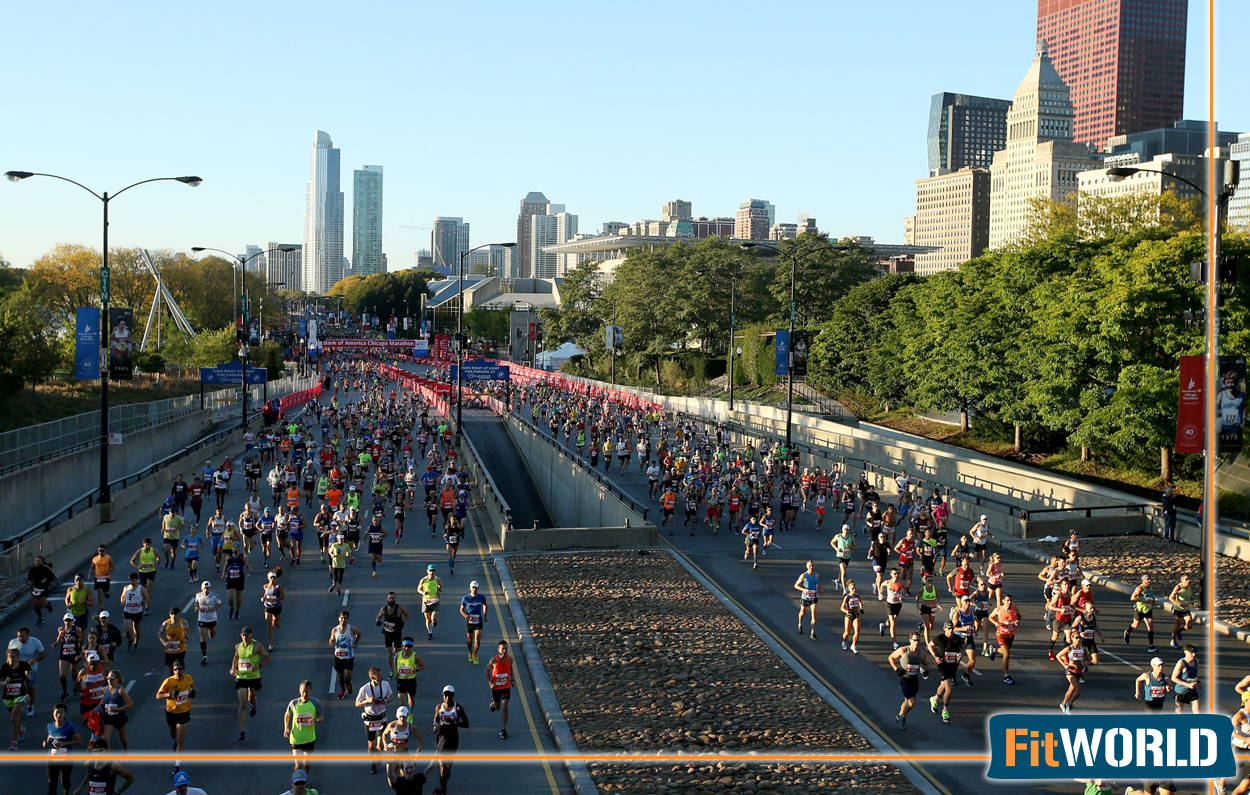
x=610, y=109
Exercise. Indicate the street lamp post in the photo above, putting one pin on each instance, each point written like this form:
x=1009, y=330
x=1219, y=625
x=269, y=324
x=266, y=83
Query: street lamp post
x=794, y=265
x=105, y=198
x=733, y=286
x=1212, y=285
x=460, y=334
x=240, y=321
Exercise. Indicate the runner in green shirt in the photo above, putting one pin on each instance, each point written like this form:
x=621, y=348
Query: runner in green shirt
x=299, y=724
x=339, y=552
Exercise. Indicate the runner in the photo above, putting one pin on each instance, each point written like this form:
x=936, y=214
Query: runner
x=928, y=605
x=134, y=607
x=15, y=676
x=449, y=719
x=843, y=543
x=207, y=603
x=375, y=537
x=173, y=634
x=236, y=572
x=61, y=737
x=216, y=535
x=395, y=738
x=1151, y=688
x=191, y=552
x=343, y=640
x=947, y=649
x=907, y=662
x=113, y=706
x=473, y=608
x=906, y=549
x=272, y=597
x=431, y=588
x=299, y=725
x=373, y=697
x=171, y=533
x=102, y=774
x=79, y=601
x=1143, y=600
x=249, y=658
x=295, y=533
x=30, y=651
x=852, y=608
x=1186, y=684
x=40, y=578
x=668, y=504
x=391, y=618
x=340, y=553
x=68, y=645
x=1086, y=625
x=1182, y=600
x=963, y=616
x=751, y=532
x=178, y=690
x=1006, y=619
x=892, y=592
x=1072, y=658
x=809, y=588
x=499, y=675
x=980, y=533
x=407, y=666
x=102, y=568
x=1061, y=607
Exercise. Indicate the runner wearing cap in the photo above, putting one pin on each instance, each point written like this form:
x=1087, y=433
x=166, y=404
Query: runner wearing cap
x=91, y=685
x=79, y=601
x=1151, y=688
x=1143, y=600
x=407, y=666
x=249, y=658
x=206, y=605
x=110, y=637
x=907, y=662
x=299, y=725
x=1183, y=602
x=182, y=785
x=68, y=646
x=396, y=736
x=1074, y=660
x=373, y=697
x=473, y=608
x=299, y=784
x=1186, y=684
x=947, y=648
x=499, y=675
x=963, y=616
x=430, y=587
x=449, y=719
x=340, y=552
x=272, y=597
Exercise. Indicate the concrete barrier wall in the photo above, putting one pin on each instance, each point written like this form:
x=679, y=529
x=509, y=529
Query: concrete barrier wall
x=485, y=494
x=32, y=494
x=520, y=539
x=573, y=498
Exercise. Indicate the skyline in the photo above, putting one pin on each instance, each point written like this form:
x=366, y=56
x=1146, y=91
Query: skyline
x=626, y=146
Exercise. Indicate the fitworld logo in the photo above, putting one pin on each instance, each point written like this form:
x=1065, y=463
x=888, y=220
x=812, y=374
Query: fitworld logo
x=1048, y=747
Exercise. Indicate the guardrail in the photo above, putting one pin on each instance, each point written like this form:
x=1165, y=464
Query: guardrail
x=1142, y=509
x=634, y=505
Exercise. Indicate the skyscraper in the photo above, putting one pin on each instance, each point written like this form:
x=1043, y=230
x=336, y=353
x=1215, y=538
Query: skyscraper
x=542, y=233
x=1123, y=59
x=1239, y=205
x=754, y=219
x=533, y=204
x=676, y=210
x=965, y=131
x=367, y=221
x=1040, y=160
x=952, y=216
x=322, y=261
x=255, y=258
x=566, y=230
x=283, y=267
x=448, y=238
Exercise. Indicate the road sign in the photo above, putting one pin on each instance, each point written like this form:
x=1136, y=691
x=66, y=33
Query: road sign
x=231, y=373
x=115, y=440
x=483, y=370
x=104, y=284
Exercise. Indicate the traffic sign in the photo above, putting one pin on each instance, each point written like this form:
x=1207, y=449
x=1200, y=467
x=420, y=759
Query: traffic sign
x=483, y=370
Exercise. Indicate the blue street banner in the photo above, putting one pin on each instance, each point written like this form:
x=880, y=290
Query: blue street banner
x=421, y=349
x=87, y=344
x=231, y=374
x=303, y=328
x=1150, y=746
x=782, y=364
x=483, y=370
x=425, y=328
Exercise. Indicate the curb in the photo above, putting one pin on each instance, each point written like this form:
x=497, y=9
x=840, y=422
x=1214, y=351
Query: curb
x=1098, y=578
x=579, y=774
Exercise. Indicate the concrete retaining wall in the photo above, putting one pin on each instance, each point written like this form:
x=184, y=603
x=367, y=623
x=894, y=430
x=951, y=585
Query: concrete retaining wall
x=521, y=539
x=30, y=495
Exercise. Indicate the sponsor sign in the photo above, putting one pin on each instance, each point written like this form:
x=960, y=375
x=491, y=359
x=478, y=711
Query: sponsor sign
x=1189, y=424
x=87, y=344
x=121, y=345
x=782, y=363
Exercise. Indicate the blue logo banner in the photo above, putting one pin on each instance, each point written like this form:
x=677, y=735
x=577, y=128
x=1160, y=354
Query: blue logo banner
x=483, y=370
x=782, y=366
x=231, y=374
x=87, y=344
x=1130, y=746
x=421, y=349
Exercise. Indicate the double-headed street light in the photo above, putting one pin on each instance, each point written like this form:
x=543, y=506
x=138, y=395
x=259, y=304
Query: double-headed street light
x=794, y=266
x=1226, y=188
x=460, y=334
x=105, y=198
x=240, y=263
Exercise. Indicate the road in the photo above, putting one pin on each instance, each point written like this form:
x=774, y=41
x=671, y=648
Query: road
x=301, y=652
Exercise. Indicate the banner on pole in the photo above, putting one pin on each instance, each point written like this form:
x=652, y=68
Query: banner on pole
x=782, y=363
x=1189, y=425
x=801, y=347
x=87, y=344
x=121, y=359
x=1232, y=400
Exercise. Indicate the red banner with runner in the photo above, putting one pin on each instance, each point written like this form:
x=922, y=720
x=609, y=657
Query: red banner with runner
x=1189, y=418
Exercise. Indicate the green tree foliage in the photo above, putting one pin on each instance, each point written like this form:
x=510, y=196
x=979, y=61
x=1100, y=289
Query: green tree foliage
x=29, y=347
x=384, y=294
x=643, y=294
x=824, y=272
x=581, y=317
x=842, y=354
x=487, y=324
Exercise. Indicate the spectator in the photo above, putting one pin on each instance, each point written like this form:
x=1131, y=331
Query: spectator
x=1169, y=511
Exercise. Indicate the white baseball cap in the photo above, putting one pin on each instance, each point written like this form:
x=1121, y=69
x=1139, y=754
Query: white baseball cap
x=449, y=689
x=1086, y=582
x=402, y=712
x=104, y=614
x=984, y=517
x=474, y=584
x=1156, y=661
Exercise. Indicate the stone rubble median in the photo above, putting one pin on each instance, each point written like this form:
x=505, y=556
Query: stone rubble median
x=644, y=659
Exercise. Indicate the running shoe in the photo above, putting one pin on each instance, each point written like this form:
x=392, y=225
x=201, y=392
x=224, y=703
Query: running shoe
x=30, y=712
x=1008, y=680
x=392, y=675
x=375, y=574
x=1063, y=707
x=12, y=746
x=881, y=629
x=845, y=645
x=755, y=565
x=812, y=636
x=330, y=589
x=431, y=634
x=1050, y=655
x=1175, y=645
x=933, y=705
x=896, y=649
x=1151, y=649
x=853, y=649
x=967, y=679
x=270, y=647
x=946, y=716
x=252, y=711
x=204, y=660
x=493, y=706
x=993, y=653
x=900, y=722
x=503, y=734
x=800, y=629
x=242, y=736
x=1126, y=633
x=21, y=737
x=1081, y=680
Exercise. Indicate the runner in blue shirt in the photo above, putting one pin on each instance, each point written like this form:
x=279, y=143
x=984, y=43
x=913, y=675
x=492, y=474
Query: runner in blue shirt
x=473, y=608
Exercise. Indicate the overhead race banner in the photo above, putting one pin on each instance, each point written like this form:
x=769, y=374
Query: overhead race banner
x=782, y=363
x=1189, y=424
x=1232, y=400
x=87, y=344
x=338, y=345
x=121, y=360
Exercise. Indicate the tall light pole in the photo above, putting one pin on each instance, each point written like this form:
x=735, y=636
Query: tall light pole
x=794, y=265
x=240, y=263
x=1212, y=286
x=733, y=286
x=460, y=334
x=105, y=198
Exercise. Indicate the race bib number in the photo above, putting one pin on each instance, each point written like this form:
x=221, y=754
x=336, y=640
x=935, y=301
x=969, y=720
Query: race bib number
x=182, y=697
x=173, y=646
x=36, y=592
x=475, y=619
x=12, y=689
x=950, y=657
x=245, y=666
x=374, y=725
x=809, y=594
x=304, y=721
x=68, y=649
x=405, y=671
x=342, y=652
x=501, y=680
x=388, y=626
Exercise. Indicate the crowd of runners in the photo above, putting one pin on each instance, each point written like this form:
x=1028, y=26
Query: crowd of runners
x=945, y=599
x=349, y=470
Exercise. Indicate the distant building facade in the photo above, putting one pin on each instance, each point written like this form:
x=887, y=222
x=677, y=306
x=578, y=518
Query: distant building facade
x=953, y=217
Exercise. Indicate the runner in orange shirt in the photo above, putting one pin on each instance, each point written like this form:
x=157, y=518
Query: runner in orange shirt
x=1005, y=618
x=499, y=675
x=102, y=567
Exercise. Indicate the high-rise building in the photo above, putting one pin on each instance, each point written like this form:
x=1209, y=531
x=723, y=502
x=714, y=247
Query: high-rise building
x=1155, y=177
x=783, y=231
x=676, y=210
x=615, y=228
x=322, y=261
x=490, y=260
x=367, y=221
x=952, y=216
x=254, y=256
x=754, y=219
x=712, y=227
x=542, y=233
x=566, y=230
x=909, y=230
x=449, y=237
x=533, y=204
x=284, y=267
x=1186, y=137
x=1040, y=160
x=1123, y=59
x=807, y=225
x=1239, y=205
x=657, y=228
x=965, y=131
x=423, y=260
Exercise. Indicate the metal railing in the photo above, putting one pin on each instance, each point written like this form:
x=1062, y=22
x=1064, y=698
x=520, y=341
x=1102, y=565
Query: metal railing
x=1142, y=509
x=482, y=475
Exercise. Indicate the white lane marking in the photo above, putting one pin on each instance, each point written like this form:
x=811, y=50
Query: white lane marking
x=346, y=595
x=131, y=686
x=1121, y=659
x=977, y=672
x=334, y=675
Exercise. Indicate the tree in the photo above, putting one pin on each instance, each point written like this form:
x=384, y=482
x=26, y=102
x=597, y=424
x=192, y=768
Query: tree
x=644, y=304
x=581, y=317
x=823, y=274
x=29, y=347
x=840, y=357
x=66, y=278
